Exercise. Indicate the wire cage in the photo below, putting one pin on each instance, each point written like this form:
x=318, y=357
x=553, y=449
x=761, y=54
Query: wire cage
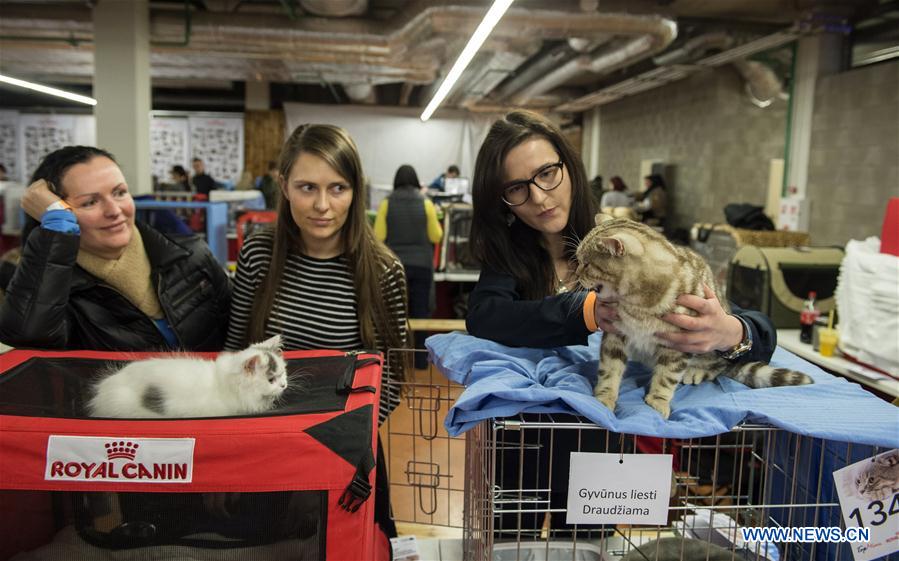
x=512, y=485
x=425, y=464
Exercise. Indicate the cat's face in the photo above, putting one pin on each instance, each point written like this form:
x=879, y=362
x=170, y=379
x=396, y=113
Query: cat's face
x=264, y=371
x=267, y=373
x=607, y=256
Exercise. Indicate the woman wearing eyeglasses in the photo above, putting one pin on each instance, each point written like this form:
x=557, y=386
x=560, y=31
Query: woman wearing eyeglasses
x=531, y=207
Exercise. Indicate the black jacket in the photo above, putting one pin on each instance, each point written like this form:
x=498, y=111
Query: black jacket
x=52, y=303
x=497, y=312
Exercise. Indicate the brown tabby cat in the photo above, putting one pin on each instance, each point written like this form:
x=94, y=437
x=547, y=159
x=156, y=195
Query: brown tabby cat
x=623, y=259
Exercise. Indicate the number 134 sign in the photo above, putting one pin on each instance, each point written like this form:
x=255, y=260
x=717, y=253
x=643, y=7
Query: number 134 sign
x=869, y=498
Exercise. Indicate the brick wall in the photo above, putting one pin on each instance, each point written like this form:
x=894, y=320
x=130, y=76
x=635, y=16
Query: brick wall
x=718, y=144
x=854, y=158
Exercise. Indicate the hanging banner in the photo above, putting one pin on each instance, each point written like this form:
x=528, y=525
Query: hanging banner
x=9, y=144
x=219, y=143
x=169, y=141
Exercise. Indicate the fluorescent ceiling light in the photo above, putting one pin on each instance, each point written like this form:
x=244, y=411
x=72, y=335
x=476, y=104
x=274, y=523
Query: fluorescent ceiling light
x=48, y=90
x=480, y=35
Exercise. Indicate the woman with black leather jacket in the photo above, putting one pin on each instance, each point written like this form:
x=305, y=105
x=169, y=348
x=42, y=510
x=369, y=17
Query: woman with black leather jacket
x=91, y=278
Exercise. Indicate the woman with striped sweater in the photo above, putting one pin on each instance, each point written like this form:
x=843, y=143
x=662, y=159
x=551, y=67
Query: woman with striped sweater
x=320, y=278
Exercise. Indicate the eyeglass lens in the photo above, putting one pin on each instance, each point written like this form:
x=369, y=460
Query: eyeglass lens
x=546, y=179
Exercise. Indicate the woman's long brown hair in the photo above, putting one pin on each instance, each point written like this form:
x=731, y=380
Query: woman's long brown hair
x=367, y=257
x=515, y=248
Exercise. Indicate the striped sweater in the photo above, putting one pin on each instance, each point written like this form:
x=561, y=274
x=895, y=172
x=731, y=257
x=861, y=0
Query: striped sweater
x=315, y=306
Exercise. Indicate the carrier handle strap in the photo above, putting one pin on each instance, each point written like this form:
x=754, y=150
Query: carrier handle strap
x=345, y=382
x=359, y=489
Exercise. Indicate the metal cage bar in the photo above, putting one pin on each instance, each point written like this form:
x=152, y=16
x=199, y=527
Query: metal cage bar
x=512, y=484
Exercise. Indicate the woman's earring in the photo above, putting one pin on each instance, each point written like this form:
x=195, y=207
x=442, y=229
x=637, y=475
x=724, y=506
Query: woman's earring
x=510, y=219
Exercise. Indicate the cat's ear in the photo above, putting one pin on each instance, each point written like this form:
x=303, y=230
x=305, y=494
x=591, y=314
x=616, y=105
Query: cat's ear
x=613, y=245
x=602, y=217
x=250, y=365
x=271, y=344
x=623, y=244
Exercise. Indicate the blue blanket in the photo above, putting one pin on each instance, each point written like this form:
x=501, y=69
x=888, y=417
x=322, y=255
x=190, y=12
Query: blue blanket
x=504, y=381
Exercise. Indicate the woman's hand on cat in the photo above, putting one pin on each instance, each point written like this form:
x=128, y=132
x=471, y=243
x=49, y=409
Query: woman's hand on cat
x=711, y=329
x=605, y=313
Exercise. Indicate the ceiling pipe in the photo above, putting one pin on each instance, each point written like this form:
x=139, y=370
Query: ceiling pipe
x=610, y=59
x=534, y=71
x=695, y=48
x=360, y=92
x=763, y=85
x=653, y=34
x=667, y=74
x=335, y=8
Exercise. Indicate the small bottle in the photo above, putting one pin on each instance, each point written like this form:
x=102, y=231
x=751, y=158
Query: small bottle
x=807, y=318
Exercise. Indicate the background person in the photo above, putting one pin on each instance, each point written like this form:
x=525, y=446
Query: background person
x=201, y=181
x=618, y=196
x=407, y=222
x=439, y=182
x=652, y=203
x=180, y=181
x=269, y=185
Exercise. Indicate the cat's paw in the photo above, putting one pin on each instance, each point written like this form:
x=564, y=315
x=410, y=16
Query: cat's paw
x=605, y=398
x=692, y=377
x=660, y=405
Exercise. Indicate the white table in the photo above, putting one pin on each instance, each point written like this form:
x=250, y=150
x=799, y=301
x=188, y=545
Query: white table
x=789, y=339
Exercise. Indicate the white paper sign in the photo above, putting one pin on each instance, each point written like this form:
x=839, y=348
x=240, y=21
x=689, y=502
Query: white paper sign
x=869, y=497
x=9, y=144
x=168, y=146
x=405, y=548
x=618, y=489
x=218, y=141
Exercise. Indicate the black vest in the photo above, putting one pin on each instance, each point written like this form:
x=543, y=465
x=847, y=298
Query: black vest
x=407, y=228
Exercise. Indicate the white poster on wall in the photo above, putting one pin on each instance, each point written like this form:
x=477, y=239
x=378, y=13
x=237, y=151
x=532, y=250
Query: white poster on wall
x=388, y=137
x=219, y=143
x=9, y=144
x=169, y=140
x=41, y=134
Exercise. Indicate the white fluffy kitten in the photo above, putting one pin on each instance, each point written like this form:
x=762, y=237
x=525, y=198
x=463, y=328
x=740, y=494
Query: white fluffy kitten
x=235, y=383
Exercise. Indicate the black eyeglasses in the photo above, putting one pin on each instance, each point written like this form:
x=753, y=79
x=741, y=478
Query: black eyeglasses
x=547, y=179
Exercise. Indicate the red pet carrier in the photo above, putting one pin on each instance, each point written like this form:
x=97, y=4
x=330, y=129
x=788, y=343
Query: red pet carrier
x=295, y=483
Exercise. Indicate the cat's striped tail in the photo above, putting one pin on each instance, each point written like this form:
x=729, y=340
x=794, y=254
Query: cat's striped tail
x=761, y=375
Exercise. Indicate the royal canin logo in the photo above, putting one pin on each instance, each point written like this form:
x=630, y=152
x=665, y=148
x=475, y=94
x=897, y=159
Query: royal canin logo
x=144, y=460
x=125, y=450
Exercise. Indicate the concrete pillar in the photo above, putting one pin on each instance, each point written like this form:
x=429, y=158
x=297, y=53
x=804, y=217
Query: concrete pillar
x=590, y=144
x=122, y=87
x=257, y=95
x=816, y=55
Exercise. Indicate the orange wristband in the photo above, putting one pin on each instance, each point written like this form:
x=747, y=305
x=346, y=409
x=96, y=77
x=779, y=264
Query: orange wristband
x=589, y=317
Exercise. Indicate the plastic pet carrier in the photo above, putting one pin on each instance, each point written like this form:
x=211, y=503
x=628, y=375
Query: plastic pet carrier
x=455, y=251
x=718, y=243
x=777, y=280
x=296, y=483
